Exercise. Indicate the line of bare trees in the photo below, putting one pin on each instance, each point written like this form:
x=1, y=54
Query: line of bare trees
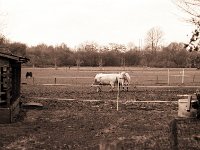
x=91, y=54
x=113, y=54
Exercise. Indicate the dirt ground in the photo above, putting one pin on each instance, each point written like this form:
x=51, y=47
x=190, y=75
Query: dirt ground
x=69, y=121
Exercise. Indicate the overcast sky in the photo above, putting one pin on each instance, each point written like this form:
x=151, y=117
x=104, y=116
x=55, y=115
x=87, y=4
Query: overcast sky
x=103, y=21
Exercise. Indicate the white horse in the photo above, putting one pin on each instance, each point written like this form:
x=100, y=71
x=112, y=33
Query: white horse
x=123, y=79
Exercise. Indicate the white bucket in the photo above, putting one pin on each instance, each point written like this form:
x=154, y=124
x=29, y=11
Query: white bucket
x=182, y=109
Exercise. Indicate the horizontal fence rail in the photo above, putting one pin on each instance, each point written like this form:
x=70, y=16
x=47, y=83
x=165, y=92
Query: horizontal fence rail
x=135, y=80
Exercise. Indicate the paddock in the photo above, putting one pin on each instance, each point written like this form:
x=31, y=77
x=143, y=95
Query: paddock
x=89, y=120
x=77, y=117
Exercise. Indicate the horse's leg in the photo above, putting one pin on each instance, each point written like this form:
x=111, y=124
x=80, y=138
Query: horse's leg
x=99, y=89
x=120, y=86
x=112, y=87
x=123, y=86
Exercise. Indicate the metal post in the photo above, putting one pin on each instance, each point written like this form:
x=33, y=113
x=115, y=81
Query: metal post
x=183, y=74
x=118, y=89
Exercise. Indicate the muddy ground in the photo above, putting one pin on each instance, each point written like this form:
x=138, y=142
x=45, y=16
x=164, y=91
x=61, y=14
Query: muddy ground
x=69, y=121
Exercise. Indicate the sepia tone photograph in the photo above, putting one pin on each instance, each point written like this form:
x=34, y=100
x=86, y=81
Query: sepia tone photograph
x=99, y=74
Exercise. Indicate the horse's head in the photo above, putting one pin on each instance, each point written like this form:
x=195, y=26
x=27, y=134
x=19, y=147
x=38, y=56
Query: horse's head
x=125, y=76
x=128, y=78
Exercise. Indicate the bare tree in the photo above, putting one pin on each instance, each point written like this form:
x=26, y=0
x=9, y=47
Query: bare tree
x=101, y=50
x=131, y=46
x=154, y=38
x=77, y=57
x=192, y=8
x=3, y=39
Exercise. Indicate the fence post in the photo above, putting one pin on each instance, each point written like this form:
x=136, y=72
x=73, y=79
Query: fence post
x=118, y=90
x=168, y=76
x=193, y=78
x=55, y=81
x=173, y=134
x=157, y=79
x=183, y=74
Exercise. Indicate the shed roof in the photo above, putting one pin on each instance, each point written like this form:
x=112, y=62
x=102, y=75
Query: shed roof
x=4, y=52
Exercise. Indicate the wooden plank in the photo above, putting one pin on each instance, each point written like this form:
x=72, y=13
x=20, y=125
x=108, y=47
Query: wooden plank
x=8, y=115
x=0, y=84
x=9, y=56
x=6, y=83
x=5, y=115
x=6, y=74
x=173, y=135
x=95, y=100
x=14, y=110
x=8, y=97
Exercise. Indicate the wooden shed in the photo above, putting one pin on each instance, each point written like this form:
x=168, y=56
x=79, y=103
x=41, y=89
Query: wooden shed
x=10, y=81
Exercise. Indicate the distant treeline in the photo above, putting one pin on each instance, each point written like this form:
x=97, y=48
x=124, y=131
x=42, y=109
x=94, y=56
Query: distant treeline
x=173, y=55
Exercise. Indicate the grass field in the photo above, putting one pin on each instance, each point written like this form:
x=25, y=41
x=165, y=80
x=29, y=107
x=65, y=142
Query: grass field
x=139, y=76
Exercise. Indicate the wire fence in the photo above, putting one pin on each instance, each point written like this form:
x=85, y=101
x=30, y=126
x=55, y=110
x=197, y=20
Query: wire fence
x=136, y=80
x=138, y=77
